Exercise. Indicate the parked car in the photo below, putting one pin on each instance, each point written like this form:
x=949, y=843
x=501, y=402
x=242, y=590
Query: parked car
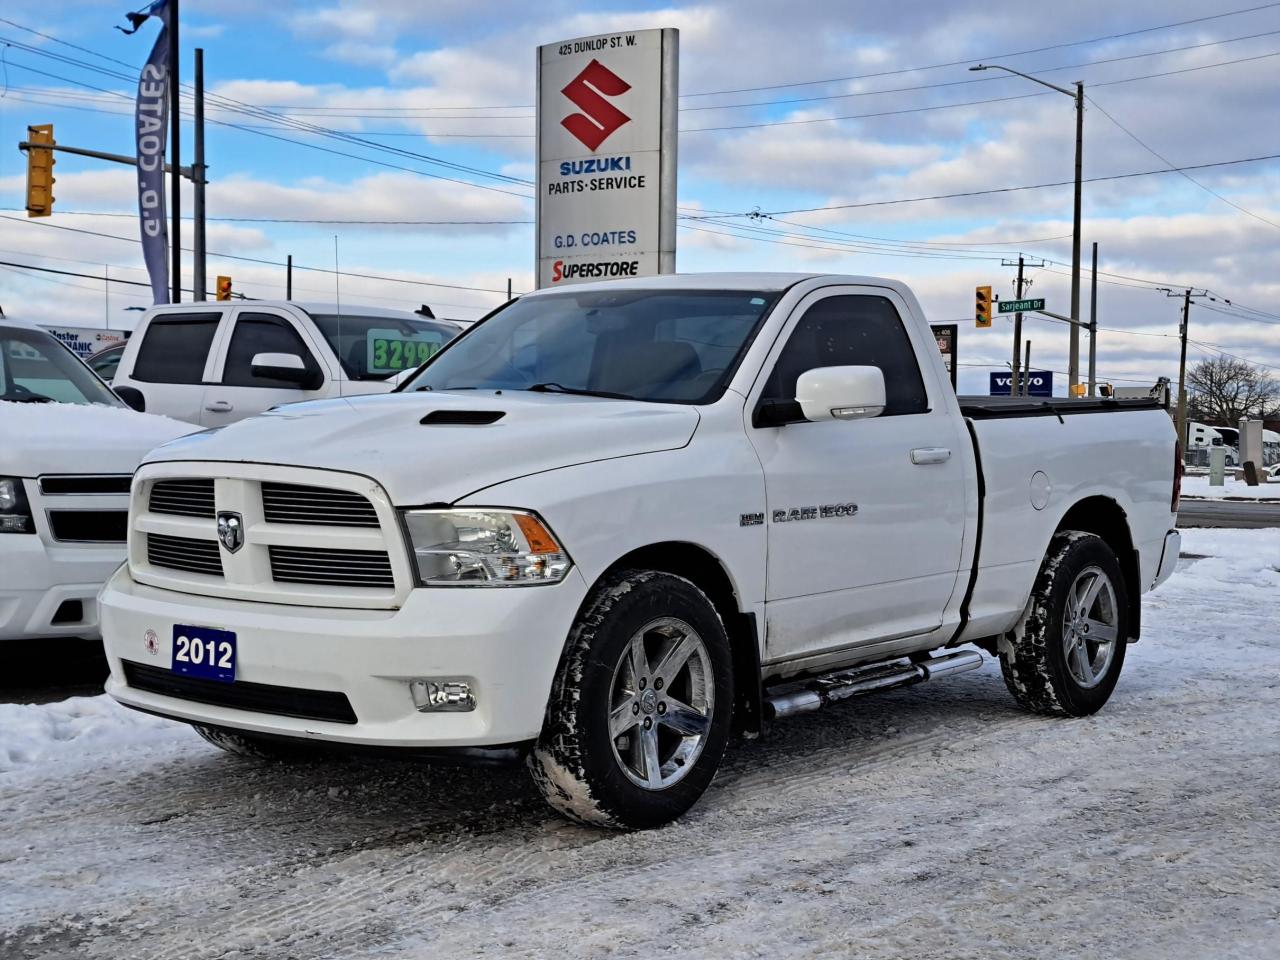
x=68, y=449
x=105, y=362
x=214, y=363
x=614, y=522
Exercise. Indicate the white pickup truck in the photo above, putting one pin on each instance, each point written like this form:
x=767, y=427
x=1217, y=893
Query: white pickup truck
x=217, y=362
x=612, y=524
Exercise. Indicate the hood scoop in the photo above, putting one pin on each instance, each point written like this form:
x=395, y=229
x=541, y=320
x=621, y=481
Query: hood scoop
x=462, y=418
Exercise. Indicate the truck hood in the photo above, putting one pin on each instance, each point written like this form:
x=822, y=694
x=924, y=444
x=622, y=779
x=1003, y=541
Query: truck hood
x=43, y=438
x=384, y=437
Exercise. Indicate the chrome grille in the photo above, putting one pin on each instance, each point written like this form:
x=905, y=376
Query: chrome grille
x=338, y=568
x=291, y=503
x=184, y=553
x=182, y=498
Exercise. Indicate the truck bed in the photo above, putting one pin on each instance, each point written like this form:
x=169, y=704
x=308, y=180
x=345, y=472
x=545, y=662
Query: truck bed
x=978, y=407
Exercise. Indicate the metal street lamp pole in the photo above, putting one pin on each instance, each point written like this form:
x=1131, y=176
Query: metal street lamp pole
x=1073, y=365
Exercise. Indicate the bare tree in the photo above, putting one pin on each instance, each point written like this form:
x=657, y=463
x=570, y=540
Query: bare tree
x=1223, y=390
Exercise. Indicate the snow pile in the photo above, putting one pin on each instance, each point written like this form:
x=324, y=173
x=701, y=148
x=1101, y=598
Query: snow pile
x=81, y=728
x=934, y=822
x=1197, y=488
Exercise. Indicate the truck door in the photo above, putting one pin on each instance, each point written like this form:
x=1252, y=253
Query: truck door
x=865, y=517
x=172, y=362
x=240, y=392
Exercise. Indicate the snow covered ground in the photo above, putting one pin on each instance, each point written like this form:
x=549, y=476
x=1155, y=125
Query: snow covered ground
x=1237, y=489
x=933, y=822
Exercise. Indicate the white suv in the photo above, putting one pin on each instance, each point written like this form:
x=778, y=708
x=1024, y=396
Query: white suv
x=214, y=363
x=68, y=449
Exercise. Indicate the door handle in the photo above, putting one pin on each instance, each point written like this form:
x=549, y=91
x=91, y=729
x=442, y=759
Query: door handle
x=922, y=455
x=218, y=406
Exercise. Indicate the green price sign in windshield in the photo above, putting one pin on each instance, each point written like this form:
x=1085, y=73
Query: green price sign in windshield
x=390, y=351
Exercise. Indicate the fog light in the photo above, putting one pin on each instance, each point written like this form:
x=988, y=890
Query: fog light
x=442, y=696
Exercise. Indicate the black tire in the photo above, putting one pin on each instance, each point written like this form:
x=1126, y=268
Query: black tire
x=254, y=747
x=577, y=765
x=1034, y=656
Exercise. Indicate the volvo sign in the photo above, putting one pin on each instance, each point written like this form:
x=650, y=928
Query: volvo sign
x=1038, y=384
x=607, y=157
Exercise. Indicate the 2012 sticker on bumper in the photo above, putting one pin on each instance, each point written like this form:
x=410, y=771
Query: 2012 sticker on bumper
x=204, y=652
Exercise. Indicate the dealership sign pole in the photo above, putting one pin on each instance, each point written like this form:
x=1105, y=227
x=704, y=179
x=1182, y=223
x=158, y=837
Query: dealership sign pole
x=607, y=156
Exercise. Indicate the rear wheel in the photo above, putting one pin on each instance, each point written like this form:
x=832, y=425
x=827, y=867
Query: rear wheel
x=1065, y=655
x=640, y=709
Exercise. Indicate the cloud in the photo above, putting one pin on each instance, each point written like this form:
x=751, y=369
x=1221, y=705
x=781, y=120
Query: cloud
x=362, y=54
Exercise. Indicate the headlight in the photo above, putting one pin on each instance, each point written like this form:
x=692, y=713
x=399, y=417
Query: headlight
x=15, y=513
x=483, y=548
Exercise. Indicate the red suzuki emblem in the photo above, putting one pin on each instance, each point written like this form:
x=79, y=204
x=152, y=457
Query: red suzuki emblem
x=599, y=118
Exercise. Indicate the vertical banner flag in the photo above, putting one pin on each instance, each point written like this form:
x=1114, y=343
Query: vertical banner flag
x=151, y=126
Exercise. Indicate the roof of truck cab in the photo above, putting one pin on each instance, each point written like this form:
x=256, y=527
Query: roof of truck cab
x=724, y=281
x=311, y=306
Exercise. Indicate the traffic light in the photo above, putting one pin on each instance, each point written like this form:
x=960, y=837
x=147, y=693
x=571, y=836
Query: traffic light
x=224, y=288
x=40, y=170
x=982, y=307
x=1079, y=390
x=1105, y=390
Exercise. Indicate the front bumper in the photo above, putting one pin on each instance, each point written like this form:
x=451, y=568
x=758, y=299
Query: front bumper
x=37, y=578
x=505, y=641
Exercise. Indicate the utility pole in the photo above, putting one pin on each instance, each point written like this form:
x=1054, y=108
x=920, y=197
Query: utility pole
x=198, y=180
x=1026, y=380
x=1187, y=296
x=288, y=278
x=1017, y=327
x=1073, y=365
x=1093, y=325
x=175, y=142
x=1182, y=369
x=1022, y=286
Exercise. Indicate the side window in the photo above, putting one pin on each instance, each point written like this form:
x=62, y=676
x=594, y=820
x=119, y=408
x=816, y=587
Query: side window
x=257, y=333
x=175, y=347
x=863, y=331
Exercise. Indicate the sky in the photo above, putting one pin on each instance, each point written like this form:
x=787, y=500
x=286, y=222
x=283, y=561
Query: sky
x=812, y=133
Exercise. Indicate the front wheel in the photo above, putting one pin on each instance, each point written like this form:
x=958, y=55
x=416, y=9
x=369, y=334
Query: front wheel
x=640, y=709
x=1065, y=655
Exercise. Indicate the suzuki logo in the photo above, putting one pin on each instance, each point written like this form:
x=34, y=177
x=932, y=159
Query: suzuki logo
x=231, y=530
x=599, y=118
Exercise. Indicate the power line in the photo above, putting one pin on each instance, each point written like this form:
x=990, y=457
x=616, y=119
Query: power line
x=428, y=223
x=1031, y=186
x=777, y=86
x=960, y=83
x=272, y=263
x=967, y=103
x=1163, y=159
x=992, y=56
x=247, y=109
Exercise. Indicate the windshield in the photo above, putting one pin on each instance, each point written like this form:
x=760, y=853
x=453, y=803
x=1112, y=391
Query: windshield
x=36, y=368
x=673, y=346
x=375, y=348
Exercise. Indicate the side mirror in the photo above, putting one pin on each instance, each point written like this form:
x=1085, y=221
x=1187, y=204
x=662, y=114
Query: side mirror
x=132, y=396
x=285, y=366
x=841, y=393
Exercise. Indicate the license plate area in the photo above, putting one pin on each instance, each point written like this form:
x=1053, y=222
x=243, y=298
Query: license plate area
x=204, y=652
